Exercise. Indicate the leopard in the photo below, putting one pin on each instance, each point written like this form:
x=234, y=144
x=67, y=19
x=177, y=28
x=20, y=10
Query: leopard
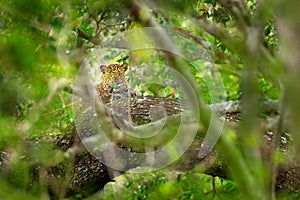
x=113, y=82
x=115, y=92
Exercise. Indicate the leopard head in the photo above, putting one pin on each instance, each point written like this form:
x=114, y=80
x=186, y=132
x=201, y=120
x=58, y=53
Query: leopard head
x=113, y=72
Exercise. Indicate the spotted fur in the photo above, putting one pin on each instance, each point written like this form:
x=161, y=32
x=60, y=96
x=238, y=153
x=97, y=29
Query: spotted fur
x=113, y=78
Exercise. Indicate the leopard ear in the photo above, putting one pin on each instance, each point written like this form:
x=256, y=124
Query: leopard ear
x=125, y=65
x=102, y=68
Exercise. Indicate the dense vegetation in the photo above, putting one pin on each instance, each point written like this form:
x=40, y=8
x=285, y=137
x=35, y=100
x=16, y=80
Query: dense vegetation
x=250, y=47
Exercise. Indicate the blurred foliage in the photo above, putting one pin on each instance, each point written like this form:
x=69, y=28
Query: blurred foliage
x=43, y=43
x=162, y=185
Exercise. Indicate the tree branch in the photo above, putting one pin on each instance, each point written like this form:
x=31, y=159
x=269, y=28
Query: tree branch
x=91, y=39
